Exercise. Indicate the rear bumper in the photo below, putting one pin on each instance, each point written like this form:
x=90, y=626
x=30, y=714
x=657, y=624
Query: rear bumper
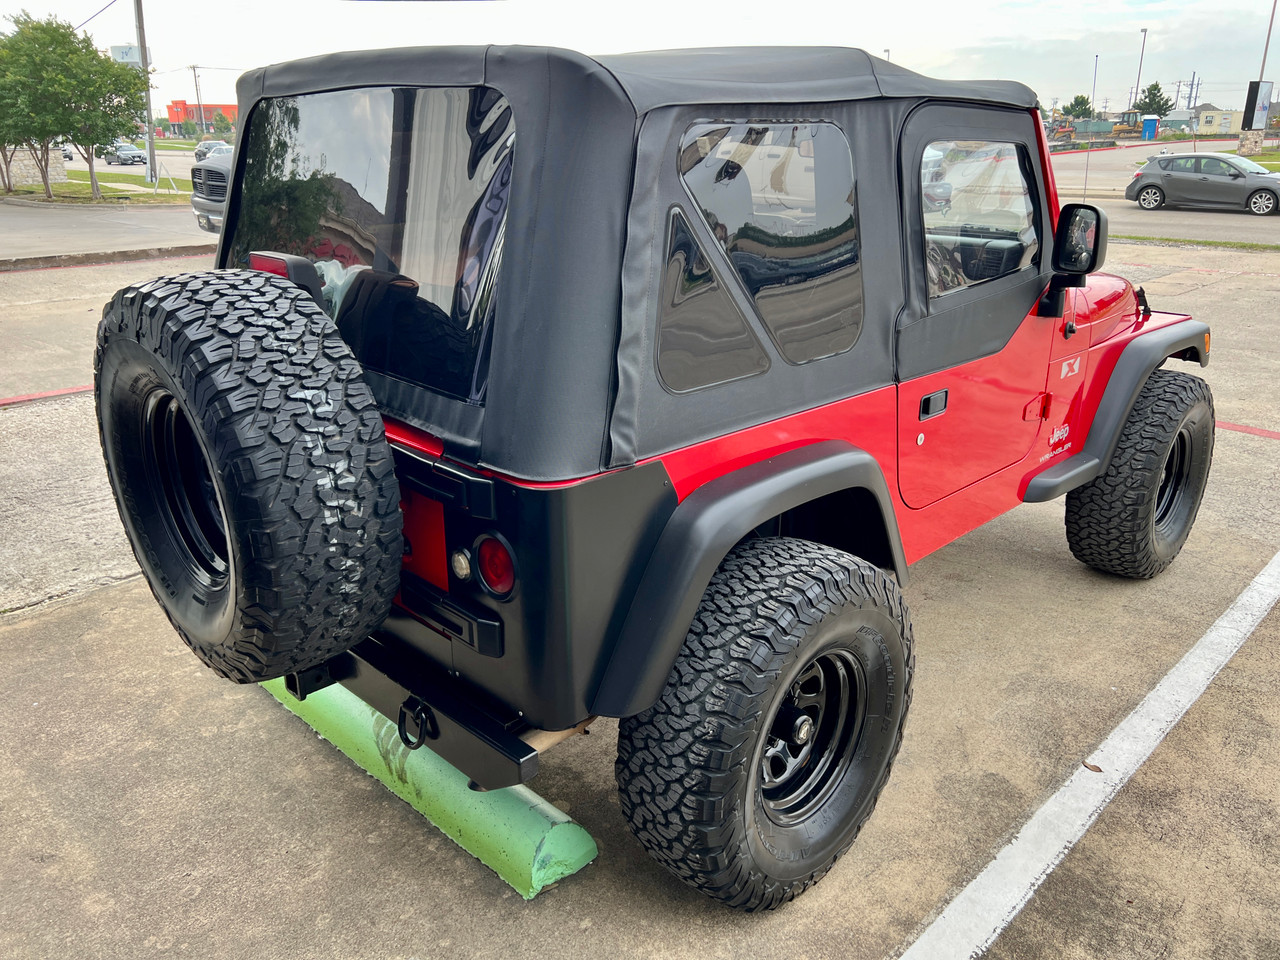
x=430, y=708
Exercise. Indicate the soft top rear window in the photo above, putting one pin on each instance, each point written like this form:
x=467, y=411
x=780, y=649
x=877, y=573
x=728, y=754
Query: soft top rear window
x=399, y=196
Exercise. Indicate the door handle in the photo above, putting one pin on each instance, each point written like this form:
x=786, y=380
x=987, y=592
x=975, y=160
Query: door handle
x=933, y=405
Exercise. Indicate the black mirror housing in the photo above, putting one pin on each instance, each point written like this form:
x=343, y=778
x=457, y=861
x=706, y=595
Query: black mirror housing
x=1079, y=248
x=1080, y=242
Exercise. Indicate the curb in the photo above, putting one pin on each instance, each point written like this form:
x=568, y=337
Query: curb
x=105, y=256
x=514, y=832
x=113, y=205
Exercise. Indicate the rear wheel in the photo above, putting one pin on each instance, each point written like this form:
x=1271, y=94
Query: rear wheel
x=1150, y=198
x=1133, y=519
x=778, y=726
x=1262, y=203
x=250, y=468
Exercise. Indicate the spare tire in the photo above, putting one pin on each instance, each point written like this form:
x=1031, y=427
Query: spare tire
x=250, y=468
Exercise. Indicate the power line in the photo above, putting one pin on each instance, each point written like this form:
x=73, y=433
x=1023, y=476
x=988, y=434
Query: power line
x=103, y=10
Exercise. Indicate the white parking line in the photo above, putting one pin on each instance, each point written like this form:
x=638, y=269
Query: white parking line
x=973, y=920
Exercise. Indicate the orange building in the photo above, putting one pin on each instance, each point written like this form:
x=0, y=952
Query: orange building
x=181, y=111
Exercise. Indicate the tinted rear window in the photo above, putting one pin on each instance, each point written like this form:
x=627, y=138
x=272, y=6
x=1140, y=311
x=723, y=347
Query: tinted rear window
x=399, y=196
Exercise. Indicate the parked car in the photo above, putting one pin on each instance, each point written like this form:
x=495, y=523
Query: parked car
x=124, y=153
x=1220, y=180
x=67, y=152
x=520, y=401
x=209, y=188
x=203, y=148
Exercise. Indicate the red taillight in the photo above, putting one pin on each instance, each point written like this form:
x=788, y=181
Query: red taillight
x=497, y=567
x=260, y=261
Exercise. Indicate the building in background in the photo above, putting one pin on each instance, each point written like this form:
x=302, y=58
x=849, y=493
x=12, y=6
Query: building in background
x=181, y=111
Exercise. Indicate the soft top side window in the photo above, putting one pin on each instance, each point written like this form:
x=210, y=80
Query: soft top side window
x=779, y=197
x=981, y=220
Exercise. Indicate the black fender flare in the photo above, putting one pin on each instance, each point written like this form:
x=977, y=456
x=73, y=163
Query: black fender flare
x=1143, y=354
x=697, y=537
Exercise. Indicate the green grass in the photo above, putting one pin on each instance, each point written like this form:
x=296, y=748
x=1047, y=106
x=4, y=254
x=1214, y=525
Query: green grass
x=1227, y=244
x=82, y=176
x=78, y=192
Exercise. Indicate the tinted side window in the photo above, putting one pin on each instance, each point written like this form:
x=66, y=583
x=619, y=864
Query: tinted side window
x=1180, y=165
x=702, y=337
x=1214, y=167
x=980, y=216
x=780, y=199
x=399, y=196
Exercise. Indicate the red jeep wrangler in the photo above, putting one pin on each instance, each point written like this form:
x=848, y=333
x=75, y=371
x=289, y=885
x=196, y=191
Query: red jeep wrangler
x=535, y=387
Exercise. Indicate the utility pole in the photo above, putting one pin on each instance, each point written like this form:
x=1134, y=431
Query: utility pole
x=1177, y=94
x=1267, y=45
x=146, y=76
x=1191, y=92
x=199, y=104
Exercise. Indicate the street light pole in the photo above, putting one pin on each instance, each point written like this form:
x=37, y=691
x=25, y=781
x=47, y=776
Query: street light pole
x=1137, y=85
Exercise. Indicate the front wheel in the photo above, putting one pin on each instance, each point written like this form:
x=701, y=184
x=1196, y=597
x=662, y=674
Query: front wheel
x=1150, y=198
x=1133, y=519
x=778, y=726
x=1262, y=203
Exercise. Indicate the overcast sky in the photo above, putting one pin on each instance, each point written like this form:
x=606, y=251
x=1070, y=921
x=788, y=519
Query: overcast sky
x=1050, y=46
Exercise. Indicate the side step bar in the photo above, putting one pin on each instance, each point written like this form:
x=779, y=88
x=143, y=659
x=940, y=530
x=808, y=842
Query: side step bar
x=428, y=710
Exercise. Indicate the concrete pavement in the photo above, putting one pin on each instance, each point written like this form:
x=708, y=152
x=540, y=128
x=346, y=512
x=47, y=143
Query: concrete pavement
x=152, y=809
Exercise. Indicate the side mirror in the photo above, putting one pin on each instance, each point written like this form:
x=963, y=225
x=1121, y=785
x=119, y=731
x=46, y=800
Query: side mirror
x=1079, y=248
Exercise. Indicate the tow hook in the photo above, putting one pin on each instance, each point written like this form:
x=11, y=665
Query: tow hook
x=423, y=719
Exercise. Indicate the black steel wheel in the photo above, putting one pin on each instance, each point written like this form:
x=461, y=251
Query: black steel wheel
x=1150, y=198
x=777, y=730
x=1262, y=203
x=1134, y=518
x=250, y=468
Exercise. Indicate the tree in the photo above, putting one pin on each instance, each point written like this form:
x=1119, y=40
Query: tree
x=58, y=85
x=1080, y=108
x=111, y=97
x=35, y=86
x=1154, y=101
x=221, y=125
x=9, y=135
x=189, y=128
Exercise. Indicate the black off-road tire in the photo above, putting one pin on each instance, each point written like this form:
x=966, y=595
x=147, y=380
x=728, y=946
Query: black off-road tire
x=711, y=780
x=250, y=468
x=1133, y=519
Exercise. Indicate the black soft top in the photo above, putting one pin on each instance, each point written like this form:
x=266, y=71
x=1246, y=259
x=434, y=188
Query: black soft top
x=561, y=345
x=644, y=81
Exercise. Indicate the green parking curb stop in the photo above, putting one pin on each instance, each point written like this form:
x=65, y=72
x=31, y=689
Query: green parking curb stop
x=521, y=837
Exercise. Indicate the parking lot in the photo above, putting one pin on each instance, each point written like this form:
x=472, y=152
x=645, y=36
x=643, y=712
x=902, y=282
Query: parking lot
x=152, y=809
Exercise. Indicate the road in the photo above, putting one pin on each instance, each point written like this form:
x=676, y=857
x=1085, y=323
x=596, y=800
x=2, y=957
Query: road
x=1109, y=172
x=39, y=230
x=173, y=163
